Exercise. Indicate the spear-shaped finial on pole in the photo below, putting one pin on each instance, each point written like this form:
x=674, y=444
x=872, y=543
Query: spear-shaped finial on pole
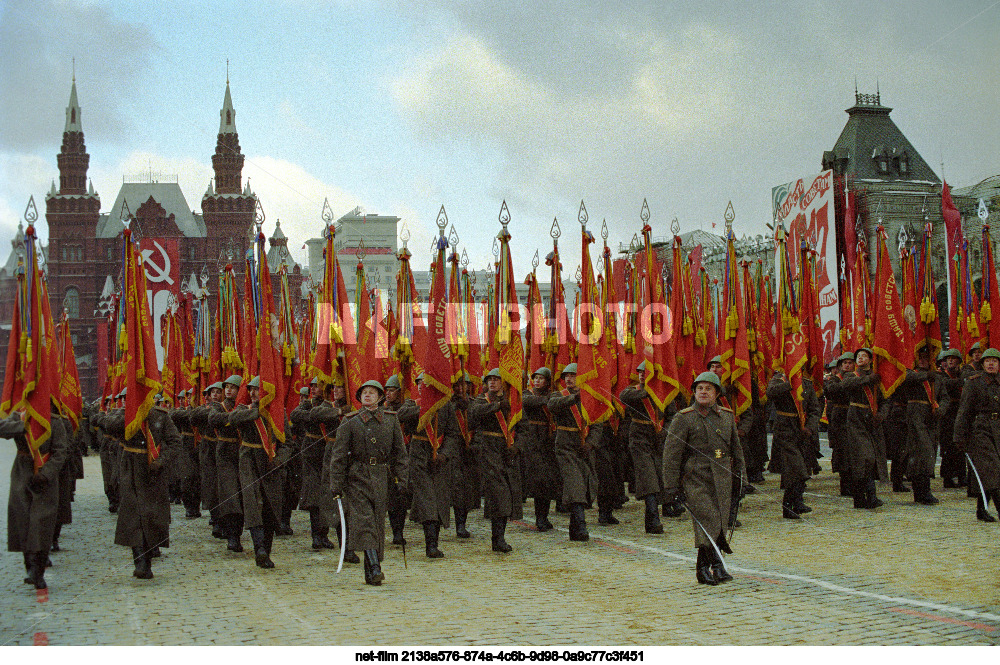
x=582, y=216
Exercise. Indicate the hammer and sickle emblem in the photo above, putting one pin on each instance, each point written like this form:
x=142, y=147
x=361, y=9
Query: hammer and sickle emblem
x=162, y=273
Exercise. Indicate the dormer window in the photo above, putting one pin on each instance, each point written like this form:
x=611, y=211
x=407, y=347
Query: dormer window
x=904, y=164
x=881, y=160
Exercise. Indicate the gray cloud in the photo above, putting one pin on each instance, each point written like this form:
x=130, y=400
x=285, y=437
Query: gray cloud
x=40, y=38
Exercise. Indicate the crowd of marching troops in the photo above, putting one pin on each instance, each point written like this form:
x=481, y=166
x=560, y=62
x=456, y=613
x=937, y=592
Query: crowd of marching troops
x=350, y=469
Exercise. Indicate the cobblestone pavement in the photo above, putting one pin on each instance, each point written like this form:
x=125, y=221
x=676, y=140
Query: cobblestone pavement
x=903, y=575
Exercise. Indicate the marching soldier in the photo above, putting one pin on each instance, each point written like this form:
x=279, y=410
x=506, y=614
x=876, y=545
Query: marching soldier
x=33, y=502
x=261, y=474
x=575, y=453
x=536, y=440
x=205, y=435
x=293, y=471
x=144, y=511
x=701, y=456
x=837, y=403
x=368, y=448
x=948, y=392
x=488, y=416
x=318, y=436
x=187, y=460
x=465, y=488
x=110, y=450
x=227, y=463
x=399, y=499
x=430, y=471
x=917, y=391
x=977, y=430
x=862, y=431
x=645, y=443
x=792, y=441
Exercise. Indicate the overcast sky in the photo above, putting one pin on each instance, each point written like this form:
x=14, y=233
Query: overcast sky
x=401, y=107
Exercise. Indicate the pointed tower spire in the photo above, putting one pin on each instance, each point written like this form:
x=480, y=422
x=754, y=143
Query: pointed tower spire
x=227, y=121
x=73, y=112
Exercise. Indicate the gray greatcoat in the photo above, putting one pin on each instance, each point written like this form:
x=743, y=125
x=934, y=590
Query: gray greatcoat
x=430, y=476
x=367, y=455
x=318, y=419
x=32, y=505
x=144, y=511
x=498, y=466
x=977, y=428
x=645, y=440
x=574, y=453
x=262, y=479
x=702, y=454
x=536, y=440
x=790, y=442
x=206, y=458
x=227, y=458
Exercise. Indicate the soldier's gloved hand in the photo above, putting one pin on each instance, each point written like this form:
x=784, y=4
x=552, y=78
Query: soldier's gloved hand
x=675, y=496
x=156, y=467
x=38, y=482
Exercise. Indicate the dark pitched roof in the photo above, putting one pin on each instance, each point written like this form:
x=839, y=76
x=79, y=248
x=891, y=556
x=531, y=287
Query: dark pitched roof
x=870, y=135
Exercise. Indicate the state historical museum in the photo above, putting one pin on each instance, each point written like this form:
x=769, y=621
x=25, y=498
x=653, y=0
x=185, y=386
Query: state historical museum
x=180, y=248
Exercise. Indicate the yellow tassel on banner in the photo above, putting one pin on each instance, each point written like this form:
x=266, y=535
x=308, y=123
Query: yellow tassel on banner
x=688, y=327
x=986, y=313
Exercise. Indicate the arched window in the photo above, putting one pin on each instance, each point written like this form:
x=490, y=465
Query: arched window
x=72, y=302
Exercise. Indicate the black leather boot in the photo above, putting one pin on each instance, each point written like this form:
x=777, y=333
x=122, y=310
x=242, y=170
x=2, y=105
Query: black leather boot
x=260, y=552
x=788, y=505
x=871, y=499
x=542, y=522
x=397, y=521
x=321, y=540
x=373, y=571
x=350, y=556
x=922, y=491
x=431, y=530
x=460, y=530
x=673, y=509
x=718, y=568
x=845, y=485
x=29, y=567
x=653, y=523
x=578, y=523
x=800, y=506
x=703, y=568
x=143, y=569
x=604, y=514
x=233, y=531
x=218, y=530
x=859, y=491
x=982, y=514
x=55, y=538
x=499, y=526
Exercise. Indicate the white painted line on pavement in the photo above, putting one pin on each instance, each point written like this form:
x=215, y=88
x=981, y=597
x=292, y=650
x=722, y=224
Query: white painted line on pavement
x=836, y=588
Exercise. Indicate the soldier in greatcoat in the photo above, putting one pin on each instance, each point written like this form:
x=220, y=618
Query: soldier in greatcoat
x=536, y=440
x=33, y=501
x=144, y=511
x=948, y=392
x=647, y=429
x=977, y=428
x=498, y=465
x=465, y=478
x=917, y=391
x=261, y=474
x=227, y=463
x=574, y=453
x=205, y=434
x=430, y=470
x=293, y=471
x=367, y=455
x=793, y=441
x=837, y=403
x=109, y=451
x=399, y=498
x=701, y=457
x=188, y=464
x=317, y=436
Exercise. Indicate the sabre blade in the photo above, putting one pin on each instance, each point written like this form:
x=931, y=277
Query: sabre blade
x=343, y=533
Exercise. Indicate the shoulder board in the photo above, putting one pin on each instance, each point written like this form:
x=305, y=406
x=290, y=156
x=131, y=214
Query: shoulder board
x=725, y=408
x=391, y=413
x=687, y=410
x=160, y=408
x=564, y=392
x=352, y=414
